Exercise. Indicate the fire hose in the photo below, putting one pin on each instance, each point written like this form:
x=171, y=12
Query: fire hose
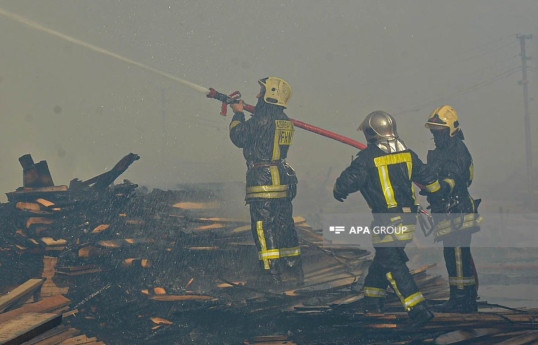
x=235, y=96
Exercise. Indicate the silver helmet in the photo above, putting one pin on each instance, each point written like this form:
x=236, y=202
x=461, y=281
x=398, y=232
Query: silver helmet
x=379, y=128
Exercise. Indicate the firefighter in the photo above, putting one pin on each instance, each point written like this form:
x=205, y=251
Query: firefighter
x=455, y=215
x=271, y=183
x=384, y=173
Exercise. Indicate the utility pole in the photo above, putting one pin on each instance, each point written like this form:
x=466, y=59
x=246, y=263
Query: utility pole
x=163, y=123
x=528, y=149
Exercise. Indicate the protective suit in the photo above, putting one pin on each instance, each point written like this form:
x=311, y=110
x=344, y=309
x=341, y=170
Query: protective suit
x=271, y=183
x=384, y=174
x=456, y=215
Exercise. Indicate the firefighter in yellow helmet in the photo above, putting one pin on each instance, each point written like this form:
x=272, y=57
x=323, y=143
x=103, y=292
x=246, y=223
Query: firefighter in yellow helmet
x=271, y=182
x=384, y=173
x=456, y=216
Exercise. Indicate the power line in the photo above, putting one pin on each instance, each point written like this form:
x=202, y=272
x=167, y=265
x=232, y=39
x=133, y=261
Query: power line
x=488, y=48
x=526, y=121
x=474, y=87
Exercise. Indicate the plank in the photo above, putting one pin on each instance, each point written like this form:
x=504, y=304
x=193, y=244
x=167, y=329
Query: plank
x=19, y=292
x=49, y=271
x=45, y=305
x=481, y=317
x=522, y=339
x=55, y=338
x=81, y=339
x=464, y=335
x=26, y=327
x=173, y=298
x=196, y=205
x=227, y=220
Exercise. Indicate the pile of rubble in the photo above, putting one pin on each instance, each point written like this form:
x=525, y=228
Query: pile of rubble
x=127, y=266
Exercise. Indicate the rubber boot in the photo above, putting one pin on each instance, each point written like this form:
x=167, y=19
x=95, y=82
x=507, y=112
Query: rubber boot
x=460, y=301
x=292, y=272
x=419, y=316
x=371, y=305
x=472, y=295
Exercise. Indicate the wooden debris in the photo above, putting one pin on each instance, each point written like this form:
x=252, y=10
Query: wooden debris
x=26, y=327
x=203, y=248
x=81, y=339
x=54, y=336
x=29, y=193
x=241, y=229
x=21, y=291
x=211, y=226
x=224, y=220
x=196, y=205
x=227, y=285
x=175, y=298
x=522, y=339
x=189, y=283
x=100, y=228
x=28, y=206
x=38, y=220
x=45, y=203
x=159, y=291
x=102, y=181
x=49, y=241
x=45, y=305
x=79, y=270
x=90, y=251
x=161, y=321
x=193, y=245
x=49, y=271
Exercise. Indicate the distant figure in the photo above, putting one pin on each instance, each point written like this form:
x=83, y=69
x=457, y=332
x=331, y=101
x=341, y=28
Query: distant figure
x=456, y=214
x=271, y=183
x=384, y=173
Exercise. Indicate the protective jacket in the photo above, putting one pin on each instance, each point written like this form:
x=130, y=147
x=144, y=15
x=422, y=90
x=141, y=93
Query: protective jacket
x=386, y=182
x=458, y=211
x=265, y=140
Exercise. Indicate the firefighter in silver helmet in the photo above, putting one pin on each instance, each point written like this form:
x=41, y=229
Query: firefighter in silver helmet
x=384, y=173
x=271, y=182
x=456, y=214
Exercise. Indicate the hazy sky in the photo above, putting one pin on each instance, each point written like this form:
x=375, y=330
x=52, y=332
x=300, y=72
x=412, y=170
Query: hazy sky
x=82, y=111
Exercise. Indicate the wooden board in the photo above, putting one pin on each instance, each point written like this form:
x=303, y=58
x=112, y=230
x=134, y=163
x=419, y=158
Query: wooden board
x=174, y=298
x=464, y=335
x=522, y=339
x=45, y=305
x=54, y=336
x=81, y=339
x=49, y=270
x=19, y=292
x=26, y=327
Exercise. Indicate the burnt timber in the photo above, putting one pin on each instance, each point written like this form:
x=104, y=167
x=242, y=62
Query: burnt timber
x=127, y=266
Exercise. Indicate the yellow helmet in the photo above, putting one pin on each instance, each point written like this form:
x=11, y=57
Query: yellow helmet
x=444, y=116
x=277, y=91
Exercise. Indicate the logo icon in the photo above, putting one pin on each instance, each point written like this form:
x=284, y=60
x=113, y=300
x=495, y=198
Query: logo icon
x=337, y=229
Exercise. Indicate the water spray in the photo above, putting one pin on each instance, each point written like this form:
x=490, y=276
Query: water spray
x=209, y=92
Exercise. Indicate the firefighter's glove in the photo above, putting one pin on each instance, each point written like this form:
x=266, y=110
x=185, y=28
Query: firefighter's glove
x=339, y=196
x=438, y=196
x=237, y=107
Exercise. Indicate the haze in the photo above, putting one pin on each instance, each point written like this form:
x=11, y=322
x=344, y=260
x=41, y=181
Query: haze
x=82, y=111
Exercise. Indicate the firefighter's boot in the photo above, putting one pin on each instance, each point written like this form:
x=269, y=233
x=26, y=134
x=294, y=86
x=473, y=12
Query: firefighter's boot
x=461, y=301
x=371, y=305
x=419, y=316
